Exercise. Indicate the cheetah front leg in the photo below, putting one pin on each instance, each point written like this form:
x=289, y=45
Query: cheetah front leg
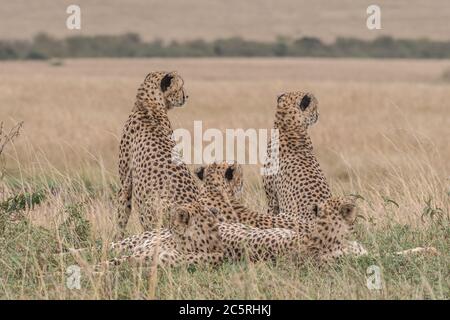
x=126, y=181
x=166, y=258
x=271, y=195
x=348, y=248
x=211, y=259
x=124, y=209
x=354, y=248
x=126, y=188
x=132, y=242
x=270, y=173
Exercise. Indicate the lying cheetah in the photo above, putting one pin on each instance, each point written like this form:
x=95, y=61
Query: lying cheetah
x=221, y=189
x=324, y=242
x=299, y=182
x=181, y=243
x=222, y=186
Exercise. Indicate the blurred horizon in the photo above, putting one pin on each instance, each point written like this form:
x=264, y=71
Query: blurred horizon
x=131, y=45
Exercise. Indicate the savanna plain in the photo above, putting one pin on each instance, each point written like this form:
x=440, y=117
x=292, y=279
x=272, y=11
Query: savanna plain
x=382, y=136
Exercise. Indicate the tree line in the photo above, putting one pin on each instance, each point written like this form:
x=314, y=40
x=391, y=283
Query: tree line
x=43, y=46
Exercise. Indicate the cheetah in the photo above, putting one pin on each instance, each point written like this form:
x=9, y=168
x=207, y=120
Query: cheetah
x=147, y=169
x=182, y=243
x=223, y=184
x=221, y=189
x=298, y=182
x=324, y=243
x=150, y=175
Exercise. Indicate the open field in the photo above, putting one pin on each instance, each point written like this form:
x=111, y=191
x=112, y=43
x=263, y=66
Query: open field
x=383, y=134
x=212, y=19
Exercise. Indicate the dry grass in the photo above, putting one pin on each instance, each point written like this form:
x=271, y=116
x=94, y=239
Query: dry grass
x=207, y=19
x=382, y=134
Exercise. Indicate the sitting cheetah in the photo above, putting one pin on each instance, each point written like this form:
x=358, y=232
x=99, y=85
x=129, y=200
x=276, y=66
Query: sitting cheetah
x=324, y=242
x=153, y=178
x=299, y=183
x=146, y=168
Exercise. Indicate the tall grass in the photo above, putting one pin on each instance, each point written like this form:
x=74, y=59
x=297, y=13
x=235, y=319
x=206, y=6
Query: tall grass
x=35, y=255
x=384, y=142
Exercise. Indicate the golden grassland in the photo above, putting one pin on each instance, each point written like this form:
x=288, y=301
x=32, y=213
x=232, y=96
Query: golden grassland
x=207, y=19
x=383, y=134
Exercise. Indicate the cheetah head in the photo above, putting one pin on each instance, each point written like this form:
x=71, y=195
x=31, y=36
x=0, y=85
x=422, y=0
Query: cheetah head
x=335, y=220
x=336, y=213
x=162, y=87
x=296, y=110
x=224, y=176
x=196, y=227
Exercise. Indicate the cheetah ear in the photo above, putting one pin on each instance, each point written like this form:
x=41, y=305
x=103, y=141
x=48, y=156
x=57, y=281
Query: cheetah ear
x=347, y=210
x=229, y=173
x=166, y=82
x=182, y=217
x=306, y=101
x=279, y=96
x=200, y=172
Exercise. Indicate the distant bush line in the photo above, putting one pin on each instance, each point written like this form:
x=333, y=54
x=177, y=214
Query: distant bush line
x=44, y=46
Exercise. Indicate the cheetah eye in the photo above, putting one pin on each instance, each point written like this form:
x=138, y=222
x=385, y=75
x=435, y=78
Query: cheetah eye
x=306, y=100
x=347, y=210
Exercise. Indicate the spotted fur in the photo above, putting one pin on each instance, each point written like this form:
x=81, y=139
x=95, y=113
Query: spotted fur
x=189, y=239
x=146, y=168
x=156, y=183
x=222, y=187
x=326, y=240
x=298, y=183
